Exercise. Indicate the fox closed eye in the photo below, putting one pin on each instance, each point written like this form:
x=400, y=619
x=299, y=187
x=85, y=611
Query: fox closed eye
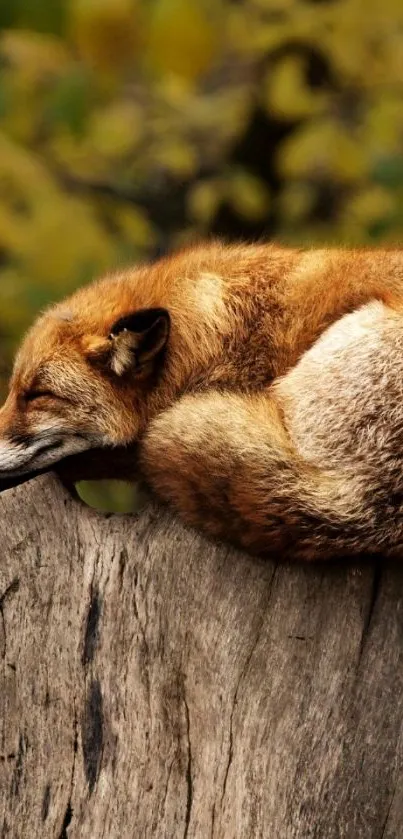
x=32, y=395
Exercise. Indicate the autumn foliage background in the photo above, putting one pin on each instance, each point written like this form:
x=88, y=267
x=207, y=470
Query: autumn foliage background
x=128, y=127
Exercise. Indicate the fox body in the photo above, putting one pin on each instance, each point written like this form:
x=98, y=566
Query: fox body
x=258, y=389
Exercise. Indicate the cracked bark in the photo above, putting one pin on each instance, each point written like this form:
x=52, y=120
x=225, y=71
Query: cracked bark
x=155, y=685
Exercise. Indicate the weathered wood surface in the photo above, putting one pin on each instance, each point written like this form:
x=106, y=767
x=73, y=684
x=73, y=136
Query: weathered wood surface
x=153, y=685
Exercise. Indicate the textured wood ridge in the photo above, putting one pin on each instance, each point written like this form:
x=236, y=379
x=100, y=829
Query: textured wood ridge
x=153, y=685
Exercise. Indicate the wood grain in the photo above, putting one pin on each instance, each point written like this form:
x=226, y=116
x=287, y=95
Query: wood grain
x=155, y=685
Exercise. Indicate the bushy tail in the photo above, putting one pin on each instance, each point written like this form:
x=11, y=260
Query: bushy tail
x=225, y=463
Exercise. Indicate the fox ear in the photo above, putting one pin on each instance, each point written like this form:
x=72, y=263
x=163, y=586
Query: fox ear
x=137, y=339
x=134, y=341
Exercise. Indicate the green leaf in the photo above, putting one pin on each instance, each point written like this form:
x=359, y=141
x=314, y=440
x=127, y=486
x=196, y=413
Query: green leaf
x=70, y=101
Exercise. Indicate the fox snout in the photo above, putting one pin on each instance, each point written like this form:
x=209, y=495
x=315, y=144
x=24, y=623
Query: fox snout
x=17, y=461
x=24, y=458
x=27, y=451
x=17, y=455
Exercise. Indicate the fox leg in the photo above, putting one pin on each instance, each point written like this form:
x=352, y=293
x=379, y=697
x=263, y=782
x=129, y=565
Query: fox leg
x=225, y=463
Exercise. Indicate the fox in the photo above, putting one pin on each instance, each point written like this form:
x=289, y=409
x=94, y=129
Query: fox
x=255, y=388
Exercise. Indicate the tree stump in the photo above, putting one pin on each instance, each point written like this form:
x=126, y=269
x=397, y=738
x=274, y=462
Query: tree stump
x=156, y=685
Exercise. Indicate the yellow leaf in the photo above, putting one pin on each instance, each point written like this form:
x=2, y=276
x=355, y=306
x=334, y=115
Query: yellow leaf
x=324, y=149
x=35, y=54
x=55, y=257
x=286, y=93
x=77, y=155
x=204, y=199
x=116, y=130
x=248, y=195
x=248, y=35
x=369, y=205
x=14, y=306
x=135, y=225
x=106, y=32
x=176, y=156
x=383, y=124
x=296, y=201
x=183, y=37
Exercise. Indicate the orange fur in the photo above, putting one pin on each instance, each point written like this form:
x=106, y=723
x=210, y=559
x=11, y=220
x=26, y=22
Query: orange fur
x=240, y=317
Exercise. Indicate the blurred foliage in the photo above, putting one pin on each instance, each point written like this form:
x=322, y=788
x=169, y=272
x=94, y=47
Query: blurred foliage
x=112, y=496
x=131, y=126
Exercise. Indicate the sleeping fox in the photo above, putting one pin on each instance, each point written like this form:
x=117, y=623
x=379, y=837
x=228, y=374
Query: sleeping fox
x=256, y=388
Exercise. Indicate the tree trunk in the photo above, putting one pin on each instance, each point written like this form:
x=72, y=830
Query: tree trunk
x=156, y=685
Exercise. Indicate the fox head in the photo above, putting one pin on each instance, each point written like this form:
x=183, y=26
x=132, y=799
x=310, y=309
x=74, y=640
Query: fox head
x=80, y=379
x=94, y=369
